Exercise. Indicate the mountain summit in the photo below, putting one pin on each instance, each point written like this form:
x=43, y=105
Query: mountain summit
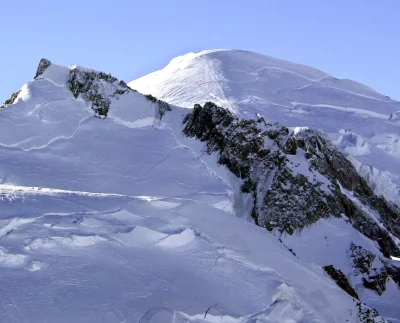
x=236, y=78
x=120, y=207
x=362, y=122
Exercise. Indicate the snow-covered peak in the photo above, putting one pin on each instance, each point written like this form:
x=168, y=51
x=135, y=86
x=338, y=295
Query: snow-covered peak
x=227, y=75
x=60, y=99
x=59, y=74
x=125, y=218
x=55, y=73
x=244, y=59
x=251, y=84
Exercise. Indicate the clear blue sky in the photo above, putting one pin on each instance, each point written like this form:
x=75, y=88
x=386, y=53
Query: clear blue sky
x=356, y=39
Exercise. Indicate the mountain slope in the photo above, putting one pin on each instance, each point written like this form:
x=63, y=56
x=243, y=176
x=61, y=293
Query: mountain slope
x=362, y=122
x=297, y=178
x=126, y=218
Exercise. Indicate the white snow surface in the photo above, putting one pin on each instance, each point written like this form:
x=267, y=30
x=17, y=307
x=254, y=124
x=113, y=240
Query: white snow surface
x=363, y=123
x=124, y=220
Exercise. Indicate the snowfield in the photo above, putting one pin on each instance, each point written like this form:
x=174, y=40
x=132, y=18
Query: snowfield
x=125, y=220
x=362, y=122
x=83, y=257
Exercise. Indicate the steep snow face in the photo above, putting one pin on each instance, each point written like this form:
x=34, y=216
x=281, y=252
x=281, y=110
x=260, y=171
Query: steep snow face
x=124, y=220
x=363, y=122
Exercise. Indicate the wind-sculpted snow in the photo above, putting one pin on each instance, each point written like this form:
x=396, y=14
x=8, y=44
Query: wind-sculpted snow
x=294, y=95
x=125, y=219
x=138, y=261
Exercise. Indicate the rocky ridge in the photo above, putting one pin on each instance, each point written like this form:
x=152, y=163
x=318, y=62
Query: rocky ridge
x=297, y=177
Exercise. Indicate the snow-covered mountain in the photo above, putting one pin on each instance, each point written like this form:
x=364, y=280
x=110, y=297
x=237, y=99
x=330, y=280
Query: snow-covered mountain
x=148, y=215
x=362, y=122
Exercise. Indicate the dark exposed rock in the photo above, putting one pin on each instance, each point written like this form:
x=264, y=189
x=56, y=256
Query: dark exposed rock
x=124, y=85
x=88, y=83
x=43, y=65
x=394, y=273
x=390, y=213
x=341, y=280
x=268, y=158
x=377, y=278
x=362, y=259
x=369, y=315
x=11, y=99
x=372, y=278
x=120, y=92
x=245, y=149
x=162, y=107
x=107, y=77
x=331, y=163
x=376, y=282
x=289, y=249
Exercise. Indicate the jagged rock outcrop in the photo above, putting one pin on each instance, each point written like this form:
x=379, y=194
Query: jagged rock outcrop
x=43, y=65
x=264, y=156
x=11, y=99
x=295, y=177
x=374, y=274
x=369, y=315
x=341, y=280
x=362, y=259
x=91, y=85
x=162, y=107
x=98, y=88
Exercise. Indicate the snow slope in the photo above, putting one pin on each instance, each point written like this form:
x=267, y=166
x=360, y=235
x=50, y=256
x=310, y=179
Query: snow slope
x=125, y=220
x=362, y=122
x=293, y=210
x=71, y=256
